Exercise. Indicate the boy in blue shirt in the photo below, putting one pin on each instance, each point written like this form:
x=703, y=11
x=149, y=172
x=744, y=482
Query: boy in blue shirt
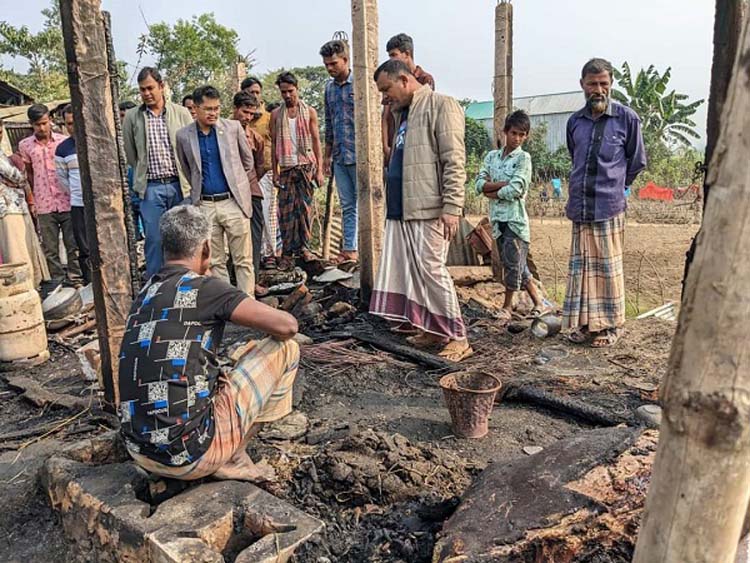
x=504, y=178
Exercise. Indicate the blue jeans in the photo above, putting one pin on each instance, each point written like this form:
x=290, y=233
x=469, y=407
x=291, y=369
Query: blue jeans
x=346, y=182
x=159, y=198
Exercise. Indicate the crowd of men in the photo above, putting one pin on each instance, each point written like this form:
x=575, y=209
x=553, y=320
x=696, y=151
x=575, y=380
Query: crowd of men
x=202, y=183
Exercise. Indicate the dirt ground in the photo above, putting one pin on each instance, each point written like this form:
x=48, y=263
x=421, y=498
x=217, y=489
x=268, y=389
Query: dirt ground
x=377, y=460
x=654, y=259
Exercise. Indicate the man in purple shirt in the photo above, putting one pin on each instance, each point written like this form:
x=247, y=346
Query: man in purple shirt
x=606, y=147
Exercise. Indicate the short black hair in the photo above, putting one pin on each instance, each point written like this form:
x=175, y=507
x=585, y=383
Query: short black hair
x=251, y=81
x=242, y=99
x=151, y=71
x=596, y=66
x=334, y=48
x=67, y=110
x=393, y=68
x=206, y=91
x=270, y=106
x=36, y=112
x=402, y=42
x=286, y=77
x=518, y=119
x=126, y=105
x=185, y=98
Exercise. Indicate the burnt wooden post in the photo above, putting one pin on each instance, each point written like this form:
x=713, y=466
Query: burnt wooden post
x=96, y=143
x=727, y=27
x=502, y=91
x=368, y=140
x=700, y=486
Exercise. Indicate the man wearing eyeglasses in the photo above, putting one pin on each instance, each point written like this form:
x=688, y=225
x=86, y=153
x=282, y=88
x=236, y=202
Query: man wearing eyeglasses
x=218, y=162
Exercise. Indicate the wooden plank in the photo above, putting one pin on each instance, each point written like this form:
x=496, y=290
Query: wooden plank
x=701, y=484
x=327, y=220
x=96, y=143
x=368, y=140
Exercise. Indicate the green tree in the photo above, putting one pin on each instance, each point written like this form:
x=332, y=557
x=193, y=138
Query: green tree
x=665, y=116
x=476, y=138
x=666, y=121
x=194, y=52
x=46, y=78
x=546, y=164
x=43, y=51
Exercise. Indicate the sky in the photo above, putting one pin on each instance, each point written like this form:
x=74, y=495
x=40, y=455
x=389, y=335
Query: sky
x=454, y=41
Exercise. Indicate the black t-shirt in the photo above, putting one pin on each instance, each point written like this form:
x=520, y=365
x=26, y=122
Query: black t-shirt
x=395, y=183
x=168, y=365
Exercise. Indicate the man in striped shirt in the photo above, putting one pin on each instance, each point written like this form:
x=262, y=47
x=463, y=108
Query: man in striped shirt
x=66, y=166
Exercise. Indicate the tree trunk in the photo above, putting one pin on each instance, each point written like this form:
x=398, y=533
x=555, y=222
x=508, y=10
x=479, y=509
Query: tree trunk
x=701, y=483
x=369, y=144
x=96, y=144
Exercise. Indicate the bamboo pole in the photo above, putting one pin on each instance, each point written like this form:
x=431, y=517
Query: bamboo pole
x=96, y=144
x=701, y=479
x=368, y=141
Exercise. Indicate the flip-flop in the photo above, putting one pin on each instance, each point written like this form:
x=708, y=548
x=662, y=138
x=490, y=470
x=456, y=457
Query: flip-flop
x=606, y=338
x=456, y=350
x=579, y=335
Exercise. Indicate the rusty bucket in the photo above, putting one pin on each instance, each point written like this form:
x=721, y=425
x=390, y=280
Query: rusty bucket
x=469, y=396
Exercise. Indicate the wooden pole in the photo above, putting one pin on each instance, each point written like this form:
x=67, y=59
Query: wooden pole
x=727, y=27
x=502, y=91
x=700, y=486
x=328, y=220
x=96, y=144
x=368, y=142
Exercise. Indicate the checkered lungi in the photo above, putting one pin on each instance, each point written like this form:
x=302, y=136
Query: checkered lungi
x=413, y=284
x=258, y=389
x=595, y=296
x=295, y=209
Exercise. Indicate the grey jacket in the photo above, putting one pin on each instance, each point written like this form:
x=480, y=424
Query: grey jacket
x=236, y=160
x=136, y=146
x=434, y=157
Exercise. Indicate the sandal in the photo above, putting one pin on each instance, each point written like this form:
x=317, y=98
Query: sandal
x=579, y=335
x=538, y=311
x=456, y=350
x=308, y=256
x=345, y=257
x=606, y=338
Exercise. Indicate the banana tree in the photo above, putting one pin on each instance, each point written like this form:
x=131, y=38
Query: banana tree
x=666, y=116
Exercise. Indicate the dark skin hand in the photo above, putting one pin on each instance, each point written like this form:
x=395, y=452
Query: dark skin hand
x=490, y=189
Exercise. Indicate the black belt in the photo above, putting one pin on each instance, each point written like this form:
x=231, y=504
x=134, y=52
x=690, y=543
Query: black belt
x=167, y=180
x=217, y=197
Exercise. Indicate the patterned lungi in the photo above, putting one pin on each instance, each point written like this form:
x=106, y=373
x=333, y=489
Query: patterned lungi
x=295, y=209
x=413, y=283
x=258, y=389
x=595, y=296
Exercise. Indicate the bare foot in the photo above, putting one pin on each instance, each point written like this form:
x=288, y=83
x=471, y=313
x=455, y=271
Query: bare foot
x=241, y=468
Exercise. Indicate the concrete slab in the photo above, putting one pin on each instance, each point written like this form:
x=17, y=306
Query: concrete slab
x=107, y=513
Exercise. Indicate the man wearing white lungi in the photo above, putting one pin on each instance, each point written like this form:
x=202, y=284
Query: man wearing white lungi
x=425, y=198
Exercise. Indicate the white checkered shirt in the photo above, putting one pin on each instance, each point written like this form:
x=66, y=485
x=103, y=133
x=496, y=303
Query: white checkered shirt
x=161, y=161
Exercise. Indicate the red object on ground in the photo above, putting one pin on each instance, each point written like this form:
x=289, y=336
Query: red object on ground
x=652, y=191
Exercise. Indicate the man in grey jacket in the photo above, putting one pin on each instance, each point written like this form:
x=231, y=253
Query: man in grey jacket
x=218, y=161
x=425, y=197
x=149, y=137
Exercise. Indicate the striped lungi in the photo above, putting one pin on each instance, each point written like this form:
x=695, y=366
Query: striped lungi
x=258, y=389
x=413, y=283
x=595, y=296
x=295, y=209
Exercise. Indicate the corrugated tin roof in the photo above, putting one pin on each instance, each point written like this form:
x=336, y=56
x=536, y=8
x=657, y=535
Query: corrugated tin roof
x=545, y=104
